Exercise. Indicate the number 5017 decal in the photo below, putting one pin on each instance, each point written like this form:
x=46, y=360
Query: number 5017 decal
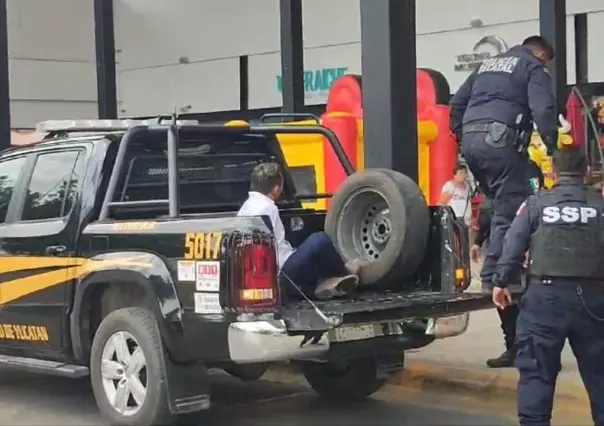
x=202, y=245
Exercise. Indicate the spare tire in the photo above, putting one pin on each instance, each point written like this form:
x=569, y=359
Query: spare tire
x=380, y=216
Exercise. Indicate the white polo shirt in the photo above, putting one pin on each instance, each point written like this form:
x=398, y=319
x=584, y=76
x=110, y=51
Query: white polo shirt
x=259, y=204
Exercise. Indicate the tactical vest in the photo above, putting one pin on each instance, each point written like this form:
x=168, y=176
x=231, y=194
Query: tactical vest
x=569, y=241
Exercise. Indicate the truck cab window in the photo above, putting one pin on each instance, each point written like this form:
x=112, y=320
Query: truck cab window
x=52, y=188
x=10, y=170
x=213, y=173
x=305, y=179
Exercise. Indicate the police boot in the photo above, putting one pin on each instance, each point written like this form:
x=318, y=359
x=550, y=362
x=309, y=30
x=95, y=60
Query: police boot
x=504, y=360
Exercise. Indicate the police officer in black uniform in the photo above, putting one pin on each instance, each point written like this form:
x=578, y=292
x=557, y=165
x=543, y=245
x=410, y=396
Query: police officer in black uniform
x=537, y=181
x=564, y=230
x=509, y=315
x=490, y=113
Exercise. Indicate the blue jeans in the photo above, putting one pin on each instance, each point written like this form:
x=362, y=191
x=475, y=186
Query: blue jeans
x=315, y=259
x=550, y=314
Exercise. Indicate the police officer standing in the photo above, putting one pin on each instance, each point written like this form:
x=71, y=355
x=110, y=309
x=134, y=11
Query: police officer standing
x=490, y=113
x=509, y=315
x=564, y=230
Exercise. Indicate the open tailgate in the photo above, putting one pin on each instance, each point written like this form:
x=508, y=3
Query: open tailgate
x=302, y=316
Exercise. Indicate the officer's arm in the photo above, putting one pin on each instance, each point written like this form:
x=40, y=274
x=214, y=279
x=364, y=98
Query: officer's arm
x=543, y=105
x=484, y=227
x=459, y=103
x=516, y=242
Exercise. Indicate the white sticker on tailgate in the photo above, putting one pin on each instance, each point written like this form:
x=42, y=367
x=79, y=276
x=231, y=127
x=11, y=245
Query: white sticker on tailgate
x=186, y=270
x=207, y=303
x=353, y=332
x=208, y=276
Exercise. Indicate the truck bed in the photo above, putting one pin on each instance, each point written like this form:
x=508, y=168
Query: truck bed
x=372, y=307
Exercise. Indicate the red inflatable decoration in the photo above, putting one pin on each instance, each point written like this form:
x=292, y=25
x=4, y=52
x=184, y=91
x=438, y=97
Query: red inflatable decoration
x=437, y=149
x=433, y=105
x=345, y=95
x=345, y=127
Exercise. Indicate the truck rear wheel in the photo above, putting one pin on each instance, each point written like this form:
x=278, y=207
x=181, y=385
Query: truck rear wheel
x=380, y=216
x=349, y=381
x=127, y=369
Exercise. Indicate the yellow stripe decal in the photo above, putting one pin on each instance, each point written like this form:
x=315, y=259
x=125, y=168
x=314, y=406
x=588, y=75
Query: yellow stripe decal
x=23, y=263
x=70, y=269
x=18, y=288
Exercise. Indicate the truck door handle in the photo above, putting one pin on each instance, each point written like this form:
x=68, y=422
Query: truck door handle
x=55, y=250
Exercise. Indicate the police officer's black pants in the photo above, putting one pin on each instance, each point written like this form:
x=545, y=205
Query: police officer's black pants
x=509, y=317
x=503, y=175
x=550, y=314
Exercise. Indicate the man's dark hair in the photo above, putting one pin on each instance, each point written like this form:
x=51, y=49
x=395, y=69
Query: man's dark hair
x=540, y=43
x=570, y=161
x=265, y=177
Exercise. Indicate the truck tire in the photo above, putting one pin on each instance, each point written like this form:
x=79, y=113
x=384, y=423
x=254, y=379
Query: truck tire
x=355, y=380
x=126, y=360
x=380, y=216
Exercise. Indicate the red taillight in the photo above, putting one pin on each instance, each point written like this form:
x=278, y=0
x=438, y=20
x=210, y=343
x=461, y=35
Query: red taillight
x=461, y=270
x=258, y=286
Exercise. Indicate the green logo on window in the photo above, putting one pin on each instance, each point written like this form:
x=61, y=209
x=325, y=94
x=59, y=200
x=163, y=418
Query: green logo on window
x=317, y=81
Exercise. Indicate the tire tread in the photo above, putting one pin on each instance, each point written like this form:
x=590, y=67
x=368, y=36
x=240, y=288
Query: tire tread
x=145, y=324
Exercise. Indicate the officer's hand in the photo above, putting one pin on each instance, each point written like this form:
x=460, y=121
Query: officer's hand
x=475, y=252
x=502, y=297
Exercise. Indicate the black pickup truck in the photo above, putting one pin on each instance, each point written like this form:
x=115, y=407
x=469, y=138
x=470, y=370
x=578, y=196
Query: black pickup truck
x=122, y=258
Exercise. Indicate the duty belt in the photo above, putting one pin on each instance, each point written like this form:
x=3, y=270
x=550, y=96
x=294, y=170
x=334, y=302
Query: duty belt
x=498, y=134
x=476, y=128
x=556, y=280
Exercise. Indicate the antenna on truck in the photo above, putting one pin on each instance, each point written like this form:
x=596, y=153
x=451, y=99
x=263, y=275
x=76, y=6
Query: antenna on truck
x=172, y=154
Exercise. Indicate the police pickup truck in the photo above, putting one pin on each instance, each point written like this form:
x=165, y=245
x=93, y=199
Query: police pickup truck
x=123, y=259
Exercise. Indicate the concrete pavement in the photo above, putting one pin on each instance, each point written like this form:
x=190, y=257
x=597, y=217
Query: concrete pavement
x=458, y=365
x=482, y=340
x=459, y=362
x=34, y=400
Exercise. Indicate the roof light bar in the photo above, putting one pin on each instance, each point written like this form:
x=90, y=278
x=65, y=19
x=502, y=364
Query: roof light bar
x=96, y=124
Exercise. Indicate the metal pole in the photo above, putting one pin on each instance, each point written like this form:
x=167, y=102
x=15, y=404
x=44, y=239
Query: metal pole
x=173, y=187
x=104, y=38
x=292, y=55
x=5, y=120
x=581, y=57
x=118, y=165
x=244, y=83
x=552, y=26
x=389, y=85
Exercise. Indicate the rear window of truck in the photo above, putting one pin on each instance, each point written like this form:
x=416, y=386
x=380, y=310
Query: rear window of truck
x=211, y=172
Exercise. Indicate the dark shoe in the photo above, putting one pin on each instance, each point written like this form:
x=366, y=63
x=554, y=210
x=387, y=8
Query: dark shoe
x=337, y=286
x=504, y=360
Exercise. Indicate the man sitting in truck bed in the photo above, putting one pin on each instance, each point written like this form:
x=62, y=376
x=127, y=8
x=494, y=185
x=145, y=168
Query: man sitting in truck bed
x=315, y=267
